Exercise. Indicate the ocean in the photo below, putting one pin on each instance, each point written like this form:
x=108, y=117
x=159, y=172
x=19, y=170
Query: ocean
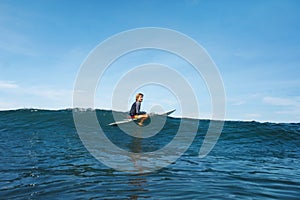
x=43, y=157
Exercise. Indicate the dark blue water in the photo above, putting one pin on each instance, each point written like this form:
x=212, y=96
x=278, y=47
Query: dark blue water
x=42, y=157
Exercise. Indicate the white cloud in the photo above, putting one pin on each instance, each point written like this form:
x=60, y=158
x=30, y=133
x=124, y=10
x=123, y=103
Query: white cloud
x=279, y=101
x=48, y=93
x=252, y=115
x=287, y=109
x=237, y=102
x=17, y=96
x=8, y=85
x=289, y=112
x=242, y=100
x=4, y=105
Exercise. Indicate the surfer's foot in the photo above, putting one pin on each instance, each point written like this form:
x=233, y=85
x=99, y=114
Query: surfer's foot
x=140, y=124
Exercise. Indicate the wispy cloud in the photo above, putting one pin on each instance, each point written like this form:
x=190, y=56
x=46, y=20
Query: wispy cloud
x=242, y=100
x=17, y=96
x=41, y=91
x=6, y=105
x=8, y=85
x=279, y=101
x=49, y=93
x=288, y=108
x=252, y=115
x=237, y=102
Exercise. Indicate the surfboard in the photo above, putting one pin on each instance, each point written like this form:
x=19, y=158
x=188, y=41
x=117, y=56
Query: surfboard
x=122, y=122
x=132, y=120
x=167, y=113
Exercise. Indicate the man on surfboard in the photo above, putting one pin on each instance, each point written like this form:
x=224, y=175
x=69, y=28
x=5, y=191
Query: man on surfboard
x=135, y=112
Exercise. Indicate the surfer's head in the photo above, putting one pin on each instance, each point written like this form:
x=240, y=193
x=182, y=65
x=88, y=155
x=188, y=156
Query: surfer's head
x=139, y=97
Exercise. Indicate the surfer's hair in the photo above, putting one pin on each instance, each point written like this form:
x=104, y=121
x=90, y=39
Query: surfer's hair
x=138, y=95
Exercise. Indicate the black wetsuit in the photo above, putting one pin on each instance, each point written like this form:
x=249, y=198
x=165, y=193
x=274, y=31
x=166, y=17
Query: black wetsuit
x=135, y=109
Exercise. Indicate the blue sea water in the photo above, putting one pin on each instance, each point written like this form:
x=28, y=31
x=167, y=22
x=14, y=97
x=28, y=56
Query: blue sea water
x=42, y=157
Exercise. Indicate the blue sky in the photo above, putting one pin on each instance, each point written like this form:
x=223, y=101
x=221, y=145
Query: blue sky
x=255, y=45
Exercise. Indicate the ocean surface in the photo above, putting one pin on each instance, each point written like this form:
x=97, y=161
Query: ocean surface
x=43, y=157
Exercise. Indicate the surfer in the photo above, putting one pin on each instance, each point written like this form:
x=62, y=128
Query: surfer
x=135, y=112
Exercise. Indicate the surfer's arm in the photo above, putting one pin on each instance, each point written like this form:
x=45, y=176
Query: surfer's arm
x=137, y=108
x=132, y=111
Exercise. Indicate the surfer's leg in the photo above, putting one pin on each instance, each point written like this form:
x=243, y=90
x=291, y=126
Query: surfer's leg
x=143, y=118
